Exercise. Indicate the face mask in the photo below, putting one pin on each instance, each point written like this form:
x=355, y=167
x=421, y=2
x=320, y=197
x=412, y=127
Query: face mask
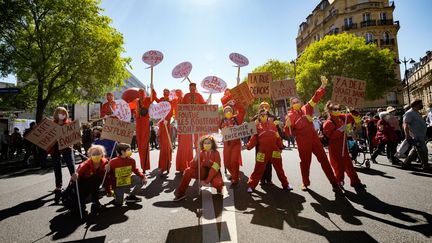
x=128, y=153
x=96, y=159
x=296, y=107
x=336, y=113
x=263, y=119
x=61, y=116
x=228, y=115
x=110, y=99
x=207, y=147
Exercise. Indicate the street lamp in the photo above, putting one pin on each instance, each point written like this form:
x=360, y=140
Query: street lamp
x=405, y=61
x=295, y=67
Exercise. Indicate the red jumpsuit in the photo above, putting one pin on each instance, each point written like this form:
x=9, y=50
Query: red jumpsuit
x=165, y=153
x=232, y=149
x=210, y=164
x=143, y=130
x=307, y=139
x=269, y=151
x=339, y=163
x=184, y=150
x=108, y=108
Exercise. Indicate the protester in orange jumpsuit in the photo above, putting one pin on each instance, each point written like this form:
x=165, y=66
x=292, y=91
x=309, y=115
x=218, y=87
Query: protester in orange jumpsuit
x=184, y=150
x=177, y=100
x=210, y=163
x=299, y=122
x=143, y=129
x=232, y=149
x=269, y=151
x=333, y=129
x=109, y=106
x=165, y=154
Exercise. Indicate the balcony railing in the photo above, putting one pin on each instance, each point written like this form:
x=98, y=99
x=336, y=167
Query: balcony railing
x=367, y=23
x=333, y=31
x=372, y=41
x=331, y=15
x=349, y=27
x=387, y=42
x=385, y=22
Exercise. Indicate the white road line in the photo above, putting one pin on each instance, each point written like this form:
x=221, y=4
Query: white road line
x=209, y=228
x=228, y=213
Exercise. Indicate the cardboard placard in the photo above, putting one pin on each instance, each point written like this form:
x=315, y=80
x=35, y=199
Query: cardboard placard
x=259, y=84
x=348, y=91
x=159, y=110
x=117, y=130
x=122, y=111
x=194, y=118
x=213, y=84
x=283, y=89
x=241, y=131
x=242, y=94
x=69, y=135
x=44, y=135
x=94, y=111
x=152, y=57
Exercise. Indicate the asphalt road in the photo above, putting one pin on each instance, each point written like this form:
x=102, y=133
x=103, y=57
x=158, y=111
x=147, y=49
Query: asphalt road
x=397, y=207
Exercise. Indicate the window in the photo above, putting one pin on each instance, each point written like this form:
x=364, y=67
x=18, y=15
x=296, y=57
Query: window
x=386, y=37
x=383, y=16
x=366, y=17
x=369, y=37
x=348, y=21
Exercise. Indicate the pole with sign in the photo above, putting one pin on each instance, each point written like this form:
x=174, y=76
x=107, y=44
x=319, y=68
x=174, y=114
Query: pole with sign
x=240, y=61
x=152, y=58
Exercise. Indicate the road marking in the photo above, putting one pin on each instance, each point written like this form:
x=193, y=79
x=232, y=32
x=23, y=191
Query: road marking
x=228, y=213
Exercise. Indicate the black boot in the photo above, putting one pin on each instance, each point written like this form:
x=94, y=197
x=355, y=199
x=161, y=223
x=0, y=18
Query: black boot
x=57, y=195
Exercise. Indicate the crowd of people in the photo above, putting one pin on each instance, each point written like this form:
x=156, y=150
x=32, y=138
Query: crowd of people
x=110, y=164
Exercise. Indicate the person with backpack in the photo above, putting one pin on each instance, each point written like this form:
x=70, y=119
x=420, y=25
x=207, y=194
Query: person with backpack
x=334, y=129
x=233, y=116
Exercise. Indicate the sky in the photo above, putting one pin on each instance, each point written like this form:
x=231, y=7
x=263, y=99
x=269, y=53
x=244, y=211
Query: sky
x=205, y=32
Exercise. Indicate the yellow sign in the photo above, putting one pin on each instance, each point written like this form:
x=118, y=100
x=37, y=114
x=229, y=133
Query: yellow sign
x=276, y=154
x=123, y=181
x=123, y=171
x=260, y=157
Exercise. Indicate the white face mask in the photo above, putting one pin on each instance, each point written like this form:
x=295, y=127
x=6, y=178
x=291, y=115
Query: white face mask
x=61, y=116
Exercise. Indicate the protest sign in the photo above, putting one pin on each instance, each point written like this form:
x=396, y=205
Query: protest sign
x=349, y=92
x=259, y=84
x=159, y=110
x=69, y=134
x=44, y=135
x=152, y=57
x=241, y=131
x=242, y=94
x=182, y=70
x=283, y=89
x=118, y=130
x=213, y=84
x=194, y=118
x=239, y=59
x=122, y=111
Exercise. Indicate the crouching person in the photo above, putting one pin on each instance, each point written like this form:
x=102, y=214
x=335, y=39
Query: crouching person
x=210, y=163
x=121, y=177
x=89, y=176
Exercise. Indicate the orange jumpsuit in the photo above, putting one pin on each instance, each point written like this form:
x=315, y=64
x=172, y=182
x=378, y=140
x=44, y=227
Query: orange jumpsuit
x=307, y=139
x=210, y=165
x=165, y=153
x=232, y=149
x=269, y=151
x=184, y=150
x=340, y=163
x=108, y=108
x=143, y=130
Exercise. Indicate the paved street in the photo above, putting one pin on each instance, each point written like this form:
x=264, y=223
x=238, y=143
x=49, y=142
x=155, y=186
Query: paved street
x=396, y=208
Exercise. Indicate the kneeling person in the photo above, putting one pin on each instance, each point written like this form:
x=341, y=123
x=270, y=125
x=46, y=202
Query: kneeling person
x=122, y=180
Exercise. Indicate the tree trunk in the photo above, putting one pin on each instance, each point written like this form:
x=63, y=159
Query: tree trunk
x=41, y=103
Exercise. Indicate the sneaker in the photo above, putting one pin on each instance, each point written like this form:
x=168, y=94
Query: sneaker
x=337, y=190
x=359, y=186
x=288, y=188
x=304, y=188
x=132, y=199
x=179, y=198
x=249, y=190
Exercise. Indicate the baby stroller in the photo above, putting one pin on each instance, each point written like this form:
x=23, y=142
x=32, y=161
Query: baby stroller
x=359, y=150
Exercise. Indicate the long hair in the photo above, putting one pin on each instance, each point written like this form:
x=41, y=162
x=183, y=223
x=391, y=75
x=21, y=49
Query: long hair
x=203, y=138
x=59, y=110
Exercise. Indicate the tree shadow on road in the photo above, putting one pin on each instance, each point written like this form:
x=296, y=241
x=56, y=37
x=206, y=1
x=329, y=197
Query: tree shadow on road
x=24, y=207
x=110, y=216
x=159, y=185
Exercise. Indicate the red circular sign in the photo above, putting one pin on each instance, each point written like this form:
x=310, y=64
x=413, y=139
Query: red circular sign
x=239, y=59
x=152, y=57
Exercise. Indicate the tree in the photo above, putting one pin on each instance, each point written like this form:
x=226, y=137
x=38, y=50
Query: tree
x=60, y=51
x=280, y=71
x=349, y=56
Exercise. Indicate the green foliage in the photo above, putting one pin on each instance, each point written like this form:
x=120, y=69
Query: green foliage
x=280, y=71
x=62, y=51
x=349, y=56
